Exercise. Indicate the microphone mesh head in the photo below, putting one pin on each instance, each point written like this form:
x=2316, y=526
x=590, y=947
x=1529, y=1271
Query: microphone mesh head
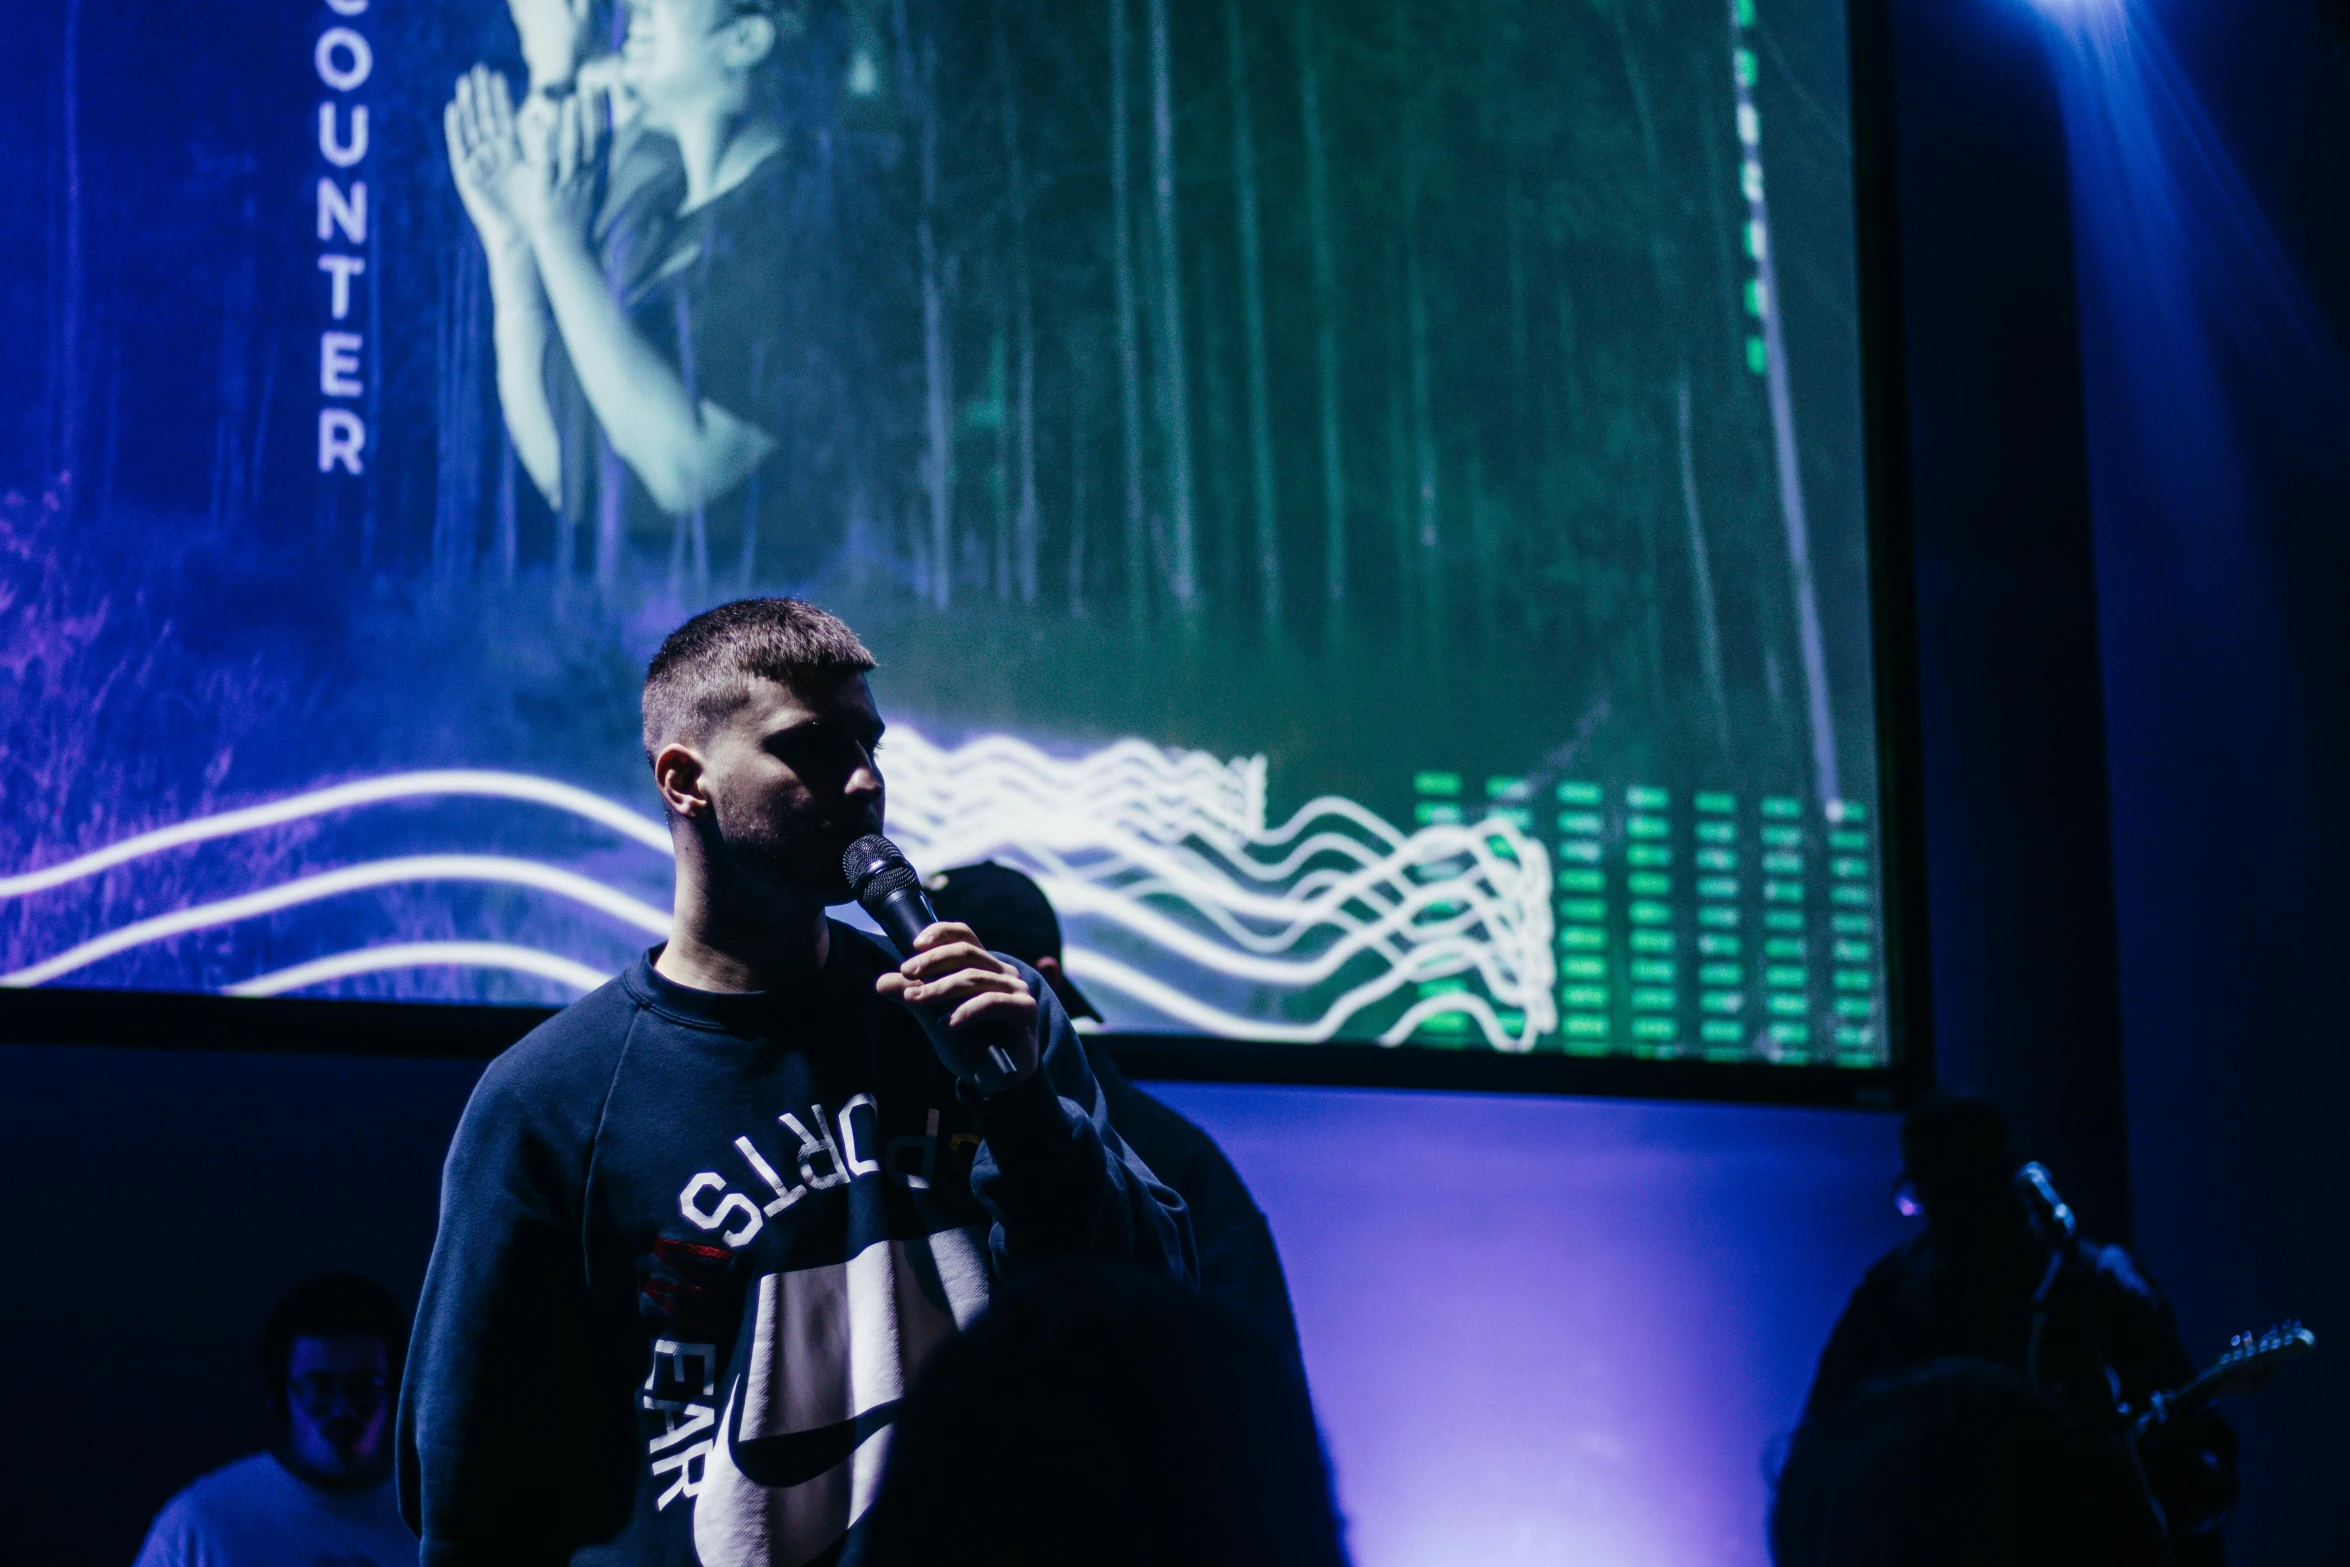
x=875, y=868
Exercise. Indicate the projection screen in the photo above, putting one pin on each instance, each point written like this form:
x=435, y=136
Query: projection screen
x=1370, y=505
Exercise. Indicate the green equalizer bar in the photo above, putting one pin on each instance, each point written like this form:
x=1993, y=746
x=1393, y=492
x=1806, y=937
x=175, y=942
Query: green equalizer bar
x=1700, y=924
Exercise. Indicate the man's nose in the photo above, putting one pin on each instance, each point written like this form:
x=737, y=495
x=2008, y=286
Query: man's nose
x=865, y=777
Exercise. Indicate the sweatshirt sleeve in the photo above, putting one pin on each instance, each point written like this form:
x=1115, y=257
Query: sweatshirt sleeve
x=514, y=1447
x=1055, y=1176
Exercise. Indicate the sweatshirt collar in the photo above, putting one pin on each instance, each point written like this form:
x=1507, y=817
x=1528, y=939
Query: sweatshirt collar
x=731, y=1012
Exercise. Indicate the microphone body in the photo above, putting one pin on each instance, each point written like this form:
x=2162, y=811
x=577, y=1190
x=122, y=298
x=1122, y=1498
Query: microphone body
x=904, y=912
x=888, y=889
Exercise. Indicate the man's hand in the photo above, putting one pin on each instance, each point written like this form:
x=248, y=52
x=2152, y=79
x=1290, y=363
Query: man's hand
x=571, y=183
x=608, y=74
x=979, y=1001
x=486, y=157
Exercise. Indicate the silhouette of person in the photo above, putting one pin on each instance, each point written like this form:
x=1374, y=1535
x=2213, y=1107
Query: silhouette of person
x=330, y=1357
x=1958, y=1463
x=1983, y=1281
x=1238, y=1263
x=1098, y=1414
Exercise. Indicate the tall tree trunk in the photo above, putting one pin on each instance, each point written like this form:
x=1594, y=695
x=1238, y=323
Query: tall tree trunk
x=458, y=433
x=1129, y=325
x=1174, y=382
x=1701, y=572
x=746, y=566
x=1025, y=523
x=1783, y=446
x=611, y=488
x=1252, y=326
x=1080, y=448
x=1399, y=460
x=509, y=536
x=1334, y=542
x=1665, y=267
x=1216, y=389
x=1426, y=538
x=1484, y=544
x=69, y=318
x=999, y=478
x=1521, y=345
x=1570, y=366
x=1425, y=535
x=918, y=70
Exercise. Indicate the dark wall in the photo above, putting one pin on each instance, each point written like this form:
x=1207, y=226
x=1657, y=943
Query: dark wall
x=2227, y=659
x=2019, y=876
x=2126, y=688
x=156, y=1204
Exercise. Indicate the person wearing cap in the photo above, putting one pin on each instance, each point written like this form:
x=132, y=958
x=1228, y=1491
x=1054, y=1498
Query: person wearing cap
x=1238, y=1265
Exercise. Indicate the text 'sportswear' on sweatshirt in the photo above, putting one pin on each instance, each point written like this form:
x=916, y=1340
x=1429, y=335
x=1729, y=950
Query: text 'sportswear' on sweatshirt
x=693, y=1247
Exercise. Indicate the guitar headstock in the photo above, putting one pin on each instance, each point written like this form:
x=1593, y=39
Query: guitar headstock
x=2252, y=1357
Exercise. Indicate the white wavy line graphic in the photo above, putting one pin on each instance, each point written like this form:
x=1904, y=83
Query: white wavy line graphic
x=1110, y=974
x=424, y=954
x=353, y=878
x=1172, y=848
x=1169, y=848
x=441, y=783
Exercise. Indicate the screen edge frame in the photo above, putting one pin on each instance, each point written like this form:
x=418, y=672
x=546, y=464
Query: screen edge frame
x=188, y=1020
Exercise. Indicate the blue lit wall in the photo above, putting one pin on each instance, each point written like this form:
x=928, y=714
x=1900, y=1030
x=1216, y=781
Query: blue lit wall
x=1539, y=1330
x=1556, y=1331
x=2214, y=250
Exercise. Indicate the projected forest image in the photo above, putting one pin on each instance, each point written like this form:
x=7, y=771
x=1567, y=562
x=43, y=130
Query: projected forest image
x=1366, y=502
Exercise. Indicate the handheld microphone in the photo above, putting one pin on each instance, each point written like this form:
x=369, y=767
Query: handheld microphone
x=886, y=887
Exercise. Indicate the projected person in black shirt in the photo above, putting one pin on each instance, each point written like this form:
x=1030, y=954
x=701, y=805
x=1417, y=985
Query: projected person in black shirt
x=652, y=319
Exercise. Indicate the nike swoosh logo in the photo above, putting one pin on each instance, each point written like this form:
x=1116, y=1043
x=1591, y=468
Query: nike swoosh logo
x=799, y=1456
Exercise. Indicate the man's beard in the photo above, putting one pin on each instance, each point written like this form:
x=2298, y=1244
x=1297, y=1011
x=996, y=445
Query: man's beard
x=799, y=854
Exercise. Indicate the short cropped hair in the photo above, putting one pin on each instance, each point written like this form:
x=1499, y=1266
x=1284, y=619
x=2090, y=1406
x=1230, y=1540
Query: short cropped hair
x=333, y=1305
x=703, y=673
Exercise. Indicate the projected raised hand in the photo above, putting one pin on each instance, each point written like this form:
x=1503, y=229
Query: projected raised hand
x=563, y=199
x=556, y=36
x=487, y=158
x=490, y=159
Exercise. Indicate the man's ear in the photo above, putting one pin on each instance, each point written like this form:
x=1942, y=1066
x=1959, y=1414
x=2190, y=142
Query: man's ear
x=677, y=773
x=752, y=40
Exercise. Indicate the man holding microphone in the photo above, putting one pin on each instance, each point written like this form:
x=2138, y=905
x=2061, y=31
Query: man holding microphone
x=698, y=1230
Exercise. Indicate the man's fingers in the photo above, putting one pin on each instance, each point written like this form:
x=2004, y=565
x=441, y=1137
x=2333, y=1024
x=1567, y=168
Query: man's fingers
x=942, y=933
x=930, y=955
x=961, y=983
x=501, y=102
x=461, y=112
x=591, y=124
x=994, y=1006
x=567, y=139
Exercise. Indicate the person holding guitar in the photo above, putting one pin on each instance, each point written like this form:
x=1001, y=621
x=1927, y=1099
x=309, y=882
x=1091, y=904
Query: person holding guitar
x=1997, y=1275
